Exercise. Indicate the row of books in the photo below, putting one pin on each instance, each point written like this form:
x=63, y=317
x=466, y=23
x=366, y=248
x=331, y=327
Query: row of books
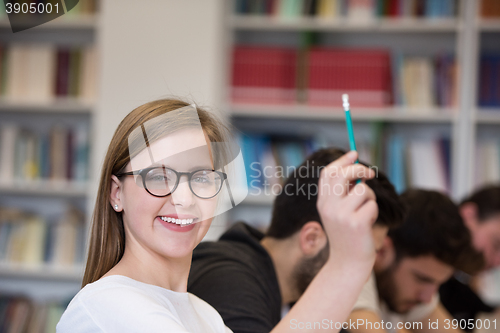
x=31, y=240
x=62, y=154
x=422, y=163
x=320, y=75
x=269, y=160
x=408, y=163
x=426, y=82
x=487, y=168
x=44, y=72
x=82, y=8
x=23, y=315
x=489, y=81
x=352, y=9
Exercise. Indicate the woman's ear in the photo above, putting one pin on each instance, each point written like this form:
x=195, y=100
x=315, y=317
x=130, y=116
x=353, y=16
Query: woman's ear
x=312, y=238
x=115, y=194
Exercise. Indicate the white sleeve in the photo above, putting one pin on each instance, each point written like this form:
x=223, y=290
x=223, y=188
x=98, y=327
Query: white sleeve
x=118, y=310
x=368, y=298
x=423, y=311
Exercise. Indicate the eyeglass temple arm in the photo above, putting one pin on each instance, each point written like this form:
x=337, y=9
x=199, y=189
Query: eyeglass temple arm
x=228, y=189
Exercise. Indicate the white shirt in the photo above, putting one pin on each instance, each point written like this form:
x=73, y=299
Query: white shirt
x=120, y=304
x=369, y=300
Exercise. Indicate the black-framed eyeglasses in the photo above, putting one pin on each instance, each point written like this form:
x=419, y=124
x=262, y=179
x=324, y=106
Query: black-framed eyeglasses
x=162, y=181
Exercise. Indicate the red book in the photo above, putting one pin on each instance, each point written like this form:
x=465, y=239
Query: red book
x=62, y=73
x=393, y=8
x=362, y=73
x=264, y=74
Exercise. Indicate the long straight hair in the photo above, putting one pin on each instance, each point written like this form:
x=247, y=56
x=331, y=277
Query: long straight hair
x=107, y=235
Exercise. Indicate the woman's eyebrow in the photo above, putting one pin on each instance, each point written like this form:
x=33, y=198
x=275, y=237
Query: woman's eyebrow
x=207, y=166
x=202, y=167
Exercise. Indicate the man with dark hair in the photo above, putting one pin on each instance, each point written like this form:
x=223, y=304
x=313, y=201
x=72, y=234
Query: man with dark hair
x=415, y=259
x=248, y=277
x=481, y=214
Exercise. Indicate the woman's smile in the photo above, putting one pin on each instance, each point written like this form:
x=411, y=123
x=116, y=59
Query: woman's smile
x=179, y=223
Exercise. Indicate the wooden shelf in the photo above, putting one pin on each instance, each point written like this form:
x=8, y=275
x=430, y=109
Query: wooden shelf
x=43, y=271
x=397, y=25
x=83, y=22
x=489, y=25
x=304, y=112
x=62, y=105
x=44, y=187
x=488, y=116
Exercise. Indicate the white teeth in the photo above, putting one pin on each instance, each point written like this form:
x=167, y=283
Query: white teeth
x=177, y=221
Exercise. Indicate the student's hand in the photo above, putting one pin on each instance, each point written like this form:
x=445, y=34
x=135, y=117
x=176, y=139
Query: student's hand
x=348, y=212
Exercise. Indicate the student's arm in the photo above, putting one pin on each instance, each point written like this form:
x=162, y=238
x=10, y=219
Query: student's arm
x=371, y=317
x=363, y=318
x=442, y=317
x=347, y=216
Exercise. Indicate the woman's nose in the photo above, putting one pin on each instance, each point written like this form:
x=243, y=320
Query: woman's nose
x=183, y=195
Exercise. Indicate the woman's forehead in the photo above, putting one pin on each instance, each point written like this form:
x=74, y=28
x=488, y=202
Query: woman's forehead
x=188, y=145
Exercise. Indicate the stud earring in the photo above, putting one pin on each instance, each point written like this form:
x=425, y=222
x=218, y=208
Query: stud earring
x=116, y=207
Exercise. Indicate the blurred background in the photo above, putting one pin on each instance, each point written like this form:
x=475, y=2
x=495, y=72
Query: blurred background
x=423, y=78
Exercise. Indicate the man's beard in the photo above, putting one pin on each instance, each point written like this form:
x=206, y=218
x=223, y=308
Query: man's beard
x=306, y=269
x=386, y=286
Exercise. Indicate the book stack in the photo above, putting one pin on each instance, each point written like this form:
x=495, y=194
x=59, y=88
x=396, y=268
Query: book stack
x=363, y=74
x=42, y=73
x=264, y=75
x=29, y=156
x=23, y=315
x=31, y=241
x=351, y=9
x=489, y=81
x=371, y=77
x=425, y=82
x=418, y=163
x=487, y=168
x=490, y=8
x=270, y=160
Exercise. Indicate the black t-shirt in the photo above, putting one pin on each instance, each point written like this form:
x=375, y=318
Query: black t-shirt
x=461, y=301
x=236, y=276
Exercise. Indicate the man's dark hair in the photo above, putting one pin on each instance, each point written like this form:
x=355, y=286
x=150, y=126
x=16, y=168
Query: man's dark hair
x=433, y=226
x=487, y=201
x=297, y=205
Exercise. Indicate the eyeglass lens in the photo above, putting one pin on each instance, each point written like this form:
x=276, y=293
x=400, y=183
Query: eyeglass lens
x=204, y=183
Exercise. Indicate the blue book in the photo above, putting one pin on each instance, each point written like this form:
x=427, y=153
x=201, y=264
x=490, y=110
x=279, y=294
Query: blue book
x=249, y=158
x=489, y=95
x=5, y=228
x=263, y=147
x=241, y=7
x=396, y=163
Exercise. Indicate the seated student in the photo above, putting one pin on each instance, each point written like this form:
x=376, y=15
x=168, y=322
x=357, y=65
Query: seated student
x=248, y=276
x=415, y=259
x=159, y=189
x=481, y=214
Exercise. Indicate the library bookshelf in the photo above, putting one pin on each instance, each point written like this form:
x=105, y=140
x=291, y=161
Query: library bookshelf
x=465, y=124
x=46, y=138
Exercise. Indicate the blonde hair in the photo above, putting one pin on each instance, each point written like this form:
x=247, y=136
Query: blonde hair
x=107, y=235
